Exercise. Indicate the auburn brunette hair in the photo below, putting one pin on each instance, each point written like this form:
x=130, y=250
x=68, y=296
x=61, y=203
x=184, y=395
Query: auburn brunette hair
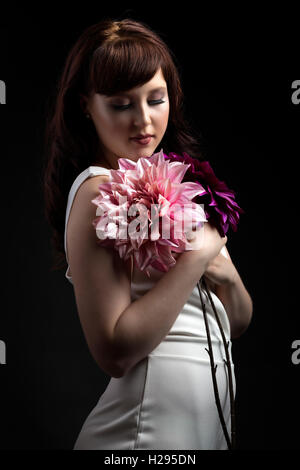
x=109, y=57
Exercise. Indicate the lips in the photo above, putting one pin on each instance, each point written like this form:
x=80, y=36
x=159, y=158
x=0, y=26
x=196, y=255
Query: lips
x=142, y=140
x=142, y=136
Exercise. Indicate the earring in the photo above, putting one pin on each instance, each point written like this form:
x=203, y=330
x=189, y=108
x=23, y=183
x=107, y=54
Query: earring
x=88, y=116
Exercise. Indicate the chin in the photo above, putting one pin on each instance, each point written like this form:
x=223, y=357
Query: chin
x=147, y=152
x=140, y=153
x=134, y=155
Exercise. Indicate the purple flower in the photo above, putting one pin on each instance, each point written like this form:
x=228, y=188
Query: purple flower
x=219, y=201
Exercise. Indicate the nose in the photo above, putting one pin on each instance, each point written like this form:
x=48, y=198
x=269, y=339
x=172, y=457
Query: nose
x=142, y=116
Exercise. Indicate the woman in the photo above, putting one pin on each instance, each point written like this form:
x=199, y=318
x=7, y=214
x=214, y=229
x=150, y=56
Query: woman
x=120, y=96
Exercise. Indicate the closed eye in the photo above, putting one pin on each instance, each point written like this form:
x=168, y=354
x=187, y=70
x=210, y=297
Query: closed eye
x=127, y=106
x=156, y=101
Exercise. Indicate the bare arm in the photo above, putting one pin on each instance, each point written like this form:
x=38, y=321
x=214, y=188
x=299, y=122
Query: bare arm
x=101, y=279
x=145, y=323
x=229, y=287
x=238, y=304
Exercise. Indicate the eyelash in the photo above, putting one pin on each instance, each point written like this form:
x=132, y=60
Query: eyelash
x=126, y=106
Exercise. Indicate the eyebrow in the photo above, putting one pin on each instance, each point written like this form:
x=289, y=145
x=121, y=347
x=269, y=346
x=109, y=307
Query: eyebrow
x=126, y=93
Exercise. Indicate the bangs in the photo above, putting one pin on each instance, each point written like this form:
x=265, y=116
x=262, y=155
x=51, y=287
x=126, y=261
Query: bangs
x=124, y=64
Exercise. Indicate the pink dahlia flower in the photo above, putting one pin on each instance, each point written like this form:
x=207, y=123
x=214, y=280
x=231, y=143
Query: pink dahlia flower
x=219, y=202
x=153, y=187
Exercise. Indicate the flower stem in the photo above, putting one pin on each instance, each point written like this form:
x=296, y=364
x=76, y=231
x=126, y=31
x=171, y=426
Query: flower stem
x=228, y=365
x=213, y=370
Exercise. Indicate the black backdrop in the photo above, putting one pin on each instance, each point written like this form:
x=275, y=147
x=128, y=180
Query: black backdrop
x=236, y=97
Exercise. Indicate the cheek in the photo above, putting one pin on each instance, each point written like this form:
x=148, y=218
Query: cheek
x=163, y=118
x=117, y=123
x=109, y=124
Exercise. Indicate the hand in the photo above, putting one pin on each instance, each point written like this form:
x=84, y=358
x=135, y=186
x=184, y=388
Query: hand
x=221, y=270
x=207, y=242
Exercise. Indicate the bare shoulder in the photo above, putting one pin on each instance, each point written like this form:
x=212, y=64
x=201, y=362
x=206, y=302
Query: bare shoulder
x=87, y=191
x=82, y=214
x=91, y=184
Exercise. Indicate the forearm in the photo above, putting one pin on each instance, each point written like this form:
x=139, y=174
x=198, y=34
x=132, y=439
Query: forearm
x=237, y=303
x=146, y=322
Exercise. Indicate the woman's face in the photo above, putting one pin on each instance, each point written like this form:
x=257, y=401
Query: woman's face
x=143, y=110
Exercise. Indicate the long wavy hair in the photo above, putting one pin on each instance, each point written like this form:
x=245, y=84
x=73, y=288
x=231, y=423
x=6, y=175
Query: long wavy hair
x=109, y=57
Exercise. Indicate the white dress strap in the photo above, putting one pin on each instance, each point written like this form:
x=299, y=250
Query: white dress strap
x=87, y=173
